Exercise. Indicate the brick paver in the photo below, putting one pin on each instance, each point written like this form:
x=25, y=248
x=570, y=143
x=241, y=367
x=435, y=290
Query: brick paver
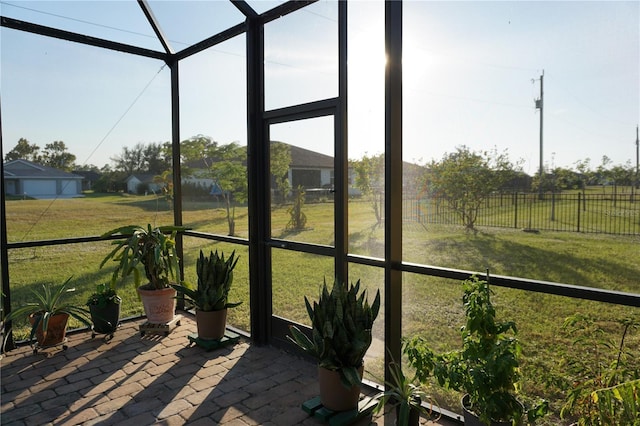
x=134, y=380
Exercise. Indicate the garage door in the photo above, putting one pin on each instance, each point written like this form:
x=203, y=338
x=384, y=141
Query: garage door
x=69, y=187
x=40, y=187
x=10, y=187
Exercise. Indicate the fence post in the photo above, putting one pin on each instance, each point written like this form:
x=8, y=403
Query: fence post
x=579, y=199
x=515, y=210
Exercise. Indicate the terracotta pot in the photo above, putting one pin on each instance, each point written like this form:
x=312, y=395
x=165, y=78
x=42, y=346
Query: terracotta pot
x=471, y=419
x=212, y=324
x=56, y=330
x=105, y=318
x=159, y=305
x=333, y=394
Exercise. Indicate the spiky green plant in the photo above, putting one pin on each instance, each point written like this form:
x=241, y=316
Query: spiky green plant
x=49, y=302
x=404, y=393
x=215, y=276
x=341, y=334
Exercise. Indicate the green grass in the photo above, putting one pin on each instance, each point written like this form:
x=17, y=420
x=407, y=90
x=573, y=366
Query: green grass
x=431, y=306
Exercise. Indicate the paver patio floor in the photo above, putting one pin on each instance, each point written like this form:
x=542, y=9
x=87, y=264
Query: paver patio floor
x=156, y=380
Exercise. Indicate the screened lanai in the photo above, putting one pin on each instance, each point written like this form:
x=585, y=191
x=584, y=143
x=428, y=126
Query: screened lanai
x=371, y=96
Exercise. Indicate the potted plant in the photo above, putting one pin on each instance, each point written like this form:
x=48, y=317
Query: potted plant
x=104, y=306
x=210, y=298
x=406, y=395
x=485, y=368
x=342, y=320
x=152, y=249
x=49, y=314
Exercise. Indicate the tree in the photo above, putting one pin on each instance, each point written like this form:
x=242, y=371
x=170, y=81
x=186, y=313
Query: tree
x=622, y=175
x=155, y=159
x=603, y=172
x=565, y=179
x=110, y=181
x=298, y=219
x=55, y=155
x=230, y=175
x=584, y=173
x=464, y=179
x=280, y=163
x=87, y=168
x=370, y=181
x=195, y=148
x=24, y=151
x=165, y=180
x=131, y=160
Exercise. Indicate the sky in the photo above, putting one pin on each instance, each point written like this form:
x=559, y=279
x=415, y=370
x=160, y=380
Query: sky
x=472, y=72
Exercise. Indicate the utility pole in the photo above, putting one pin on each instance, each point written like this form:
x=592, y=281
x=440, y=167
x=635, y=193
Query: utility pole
x=637, y=156
x=540, y=106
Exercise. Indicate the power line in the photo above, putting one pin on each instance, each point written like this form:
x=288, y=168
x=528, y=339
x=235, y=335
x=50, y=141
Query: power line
x=78, y=20
x=131, y=105
x=465, y=98
x=135, y=100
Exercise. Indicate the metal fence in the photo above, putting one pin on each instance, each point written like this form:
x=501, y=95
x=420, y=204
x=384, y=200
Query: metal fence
x=593, y=213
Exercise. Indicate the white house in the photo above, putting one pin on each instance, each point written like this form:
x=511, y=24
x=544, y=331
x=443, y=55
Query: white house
x=140, y=182
x=24, y=178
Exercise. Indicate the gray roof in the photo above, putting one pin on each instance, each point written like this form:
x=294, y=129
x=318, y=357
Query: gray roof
x=301, y=157
x=23, y=169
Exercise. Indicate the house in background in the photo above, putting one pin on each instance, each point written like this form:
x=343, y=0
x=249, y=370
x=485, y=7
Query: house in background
x=24, y=178
x=141, y=183
x=309, y=169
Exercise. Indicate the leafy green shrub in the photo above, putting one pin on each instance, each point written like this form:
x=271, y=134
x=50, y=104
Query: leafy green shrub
x=486, y=368
x=602, y=389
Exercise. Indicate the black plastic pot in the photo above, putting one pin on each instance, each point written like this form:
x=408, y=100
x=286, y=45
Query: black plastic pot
x=414, y=416
x=471, y=419
x=105, y=319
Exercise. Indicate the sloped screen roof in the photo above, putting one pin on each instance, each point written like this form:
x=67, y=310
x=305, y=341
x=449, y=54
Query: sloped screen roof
x=183, y=23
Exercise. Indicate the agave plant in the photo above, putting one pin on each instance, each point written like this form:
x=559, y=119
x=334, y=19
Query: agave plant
x=342, y=321
x=215, y=276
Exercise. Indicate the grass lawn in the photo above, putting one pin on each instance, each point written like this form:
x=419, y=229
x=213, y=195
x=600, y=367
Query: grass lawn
x=432, y=307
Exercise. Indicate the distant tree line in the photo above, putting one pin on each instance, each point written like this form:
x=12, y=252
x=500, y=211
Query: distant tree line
x=464, y=178
x=54, y=154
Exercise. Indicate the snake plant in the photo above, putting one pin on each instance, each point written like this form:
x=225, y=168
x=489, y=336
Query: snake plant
x=215, y=276
x=342, y=320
